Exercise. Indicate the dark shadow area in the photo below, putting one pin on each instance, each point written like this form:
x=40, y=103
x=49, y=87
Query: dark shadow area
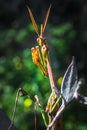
x=5, y=121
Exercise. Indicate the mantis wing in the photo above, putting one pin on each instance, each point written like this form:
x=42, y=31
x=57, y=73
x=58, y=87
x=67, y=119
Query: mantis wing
x=33, y=21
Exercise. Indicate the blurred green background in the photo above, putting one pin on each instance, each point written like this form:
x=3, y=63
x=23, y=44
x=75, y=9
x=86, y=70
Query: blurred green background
x=66, y=35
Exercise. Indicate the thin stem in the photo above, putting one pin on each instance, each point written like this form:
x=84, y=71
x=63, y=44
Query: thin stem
x=13, y=116
x=58, y=124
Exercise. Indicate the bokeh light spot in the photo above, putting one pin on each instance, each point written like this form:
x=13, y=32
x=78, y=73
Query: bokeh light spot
x=27, y=102
x=59, y=81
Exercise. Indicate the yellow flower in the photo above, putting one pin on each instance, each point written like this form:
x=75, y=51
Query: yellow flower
x=35, y=55
x=37, y=59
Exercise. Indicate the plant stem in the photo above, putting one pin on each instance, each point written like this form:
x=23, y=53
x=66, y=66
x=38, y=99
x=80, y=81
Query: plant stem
x=58, y=124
